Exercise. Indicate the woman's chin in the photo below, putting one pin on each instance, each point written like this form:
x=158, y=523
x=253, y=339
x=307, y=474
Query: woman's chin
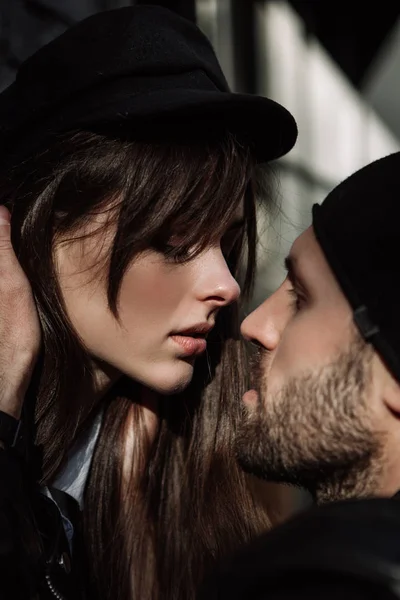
x=164, y=377
x=174, y=387
x=171, y=381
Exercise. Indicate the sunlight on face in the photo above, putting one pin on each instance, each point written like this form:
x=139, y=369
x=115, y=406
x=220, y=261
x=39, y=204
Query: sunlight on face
x=165, y=308
x=307, y=321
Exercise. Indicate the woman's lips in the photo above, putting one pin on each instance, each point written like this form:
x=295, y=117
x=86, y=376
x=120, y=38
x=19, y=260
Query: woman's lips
x=192, y=346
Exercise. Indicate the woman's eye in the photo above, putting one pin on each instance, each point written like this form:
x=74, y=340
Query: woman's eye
x=169, y=248
x=175, y=251
x=175, y=254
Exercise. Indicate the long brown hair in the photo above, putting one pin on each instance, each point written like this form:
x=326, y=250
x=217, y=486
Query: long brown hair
x=187, y=503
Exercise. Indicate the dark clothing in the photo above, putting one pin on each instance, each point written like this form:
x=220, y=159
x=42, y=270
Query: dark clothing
x=348, y=550
x=35, y=554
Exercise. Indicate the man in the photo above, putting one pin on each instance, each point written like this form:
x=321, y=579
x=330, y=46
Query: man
x=325, y=411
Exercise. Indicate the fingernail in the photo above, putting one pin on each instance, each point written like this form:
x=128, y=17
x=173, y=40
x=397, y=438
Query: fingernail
x=4, y=216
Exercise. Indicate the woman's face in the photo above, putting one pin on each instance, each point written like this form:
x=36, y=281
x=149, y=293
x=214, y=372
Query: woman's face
x=165, y=309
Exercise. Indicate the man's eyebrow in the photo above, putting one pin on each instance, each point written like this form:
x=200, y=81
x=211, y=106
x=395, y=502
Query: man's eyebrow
x=293, y=277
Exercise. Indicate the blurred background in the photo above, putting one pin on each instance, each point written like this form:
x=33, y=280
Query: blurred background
x=334, y=65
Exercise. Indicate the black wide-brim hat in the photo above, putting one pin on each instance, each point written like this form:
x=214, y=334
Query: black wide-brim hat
x=134, y=68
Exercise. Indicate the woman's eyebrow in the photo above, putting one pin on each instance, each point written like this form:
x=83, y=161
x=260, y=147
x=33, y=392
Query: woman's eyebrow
x=237, y=223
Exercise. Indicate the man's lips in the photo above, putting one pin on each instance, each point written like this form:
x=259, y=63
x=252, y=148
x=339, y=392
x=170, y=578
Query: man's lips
x=250, y=398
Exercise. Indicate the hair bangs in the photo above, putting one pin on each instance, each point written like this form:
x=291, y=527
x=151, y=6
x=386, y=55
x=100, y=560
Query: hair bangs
x=214, y=183
x=183, y=201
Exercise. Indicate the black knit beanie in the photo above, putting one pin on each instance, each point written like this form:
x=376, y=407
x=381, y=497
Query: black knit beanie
x=358, y=229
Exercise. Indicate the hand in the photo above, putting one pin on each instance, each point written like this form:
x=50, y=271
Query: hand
x=20, y=334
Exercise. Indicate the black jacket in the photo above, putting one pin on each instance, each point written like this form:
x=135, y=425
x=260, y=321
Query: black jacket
x=36, y=561
x=348, y=550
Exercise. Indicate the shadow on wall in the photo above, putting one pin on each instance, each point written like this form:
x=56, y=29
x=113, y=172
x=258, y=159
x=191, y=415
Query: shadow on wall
x=26, y=25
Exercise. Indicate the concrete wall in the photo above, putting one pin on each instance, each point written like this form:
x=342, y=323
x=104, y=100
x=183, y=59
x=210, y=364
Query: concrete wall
x=339, y=132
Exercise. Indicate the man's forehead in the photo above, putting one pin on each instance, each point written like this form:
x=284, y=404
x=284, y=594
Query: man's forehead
x=308, y=261
x=303, y=246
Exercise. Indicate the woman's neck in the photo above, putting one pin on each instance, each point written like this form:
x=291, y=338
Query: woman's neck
x=102, y=379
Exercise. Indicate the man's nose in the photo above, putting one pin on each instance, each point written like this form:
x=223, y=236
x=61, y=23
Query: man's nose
x=265, y=325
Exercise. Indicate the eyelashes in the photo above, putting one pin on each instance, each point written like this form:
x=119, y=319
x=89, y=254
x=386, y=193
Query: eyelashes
x=296, y=299
x=173, y=251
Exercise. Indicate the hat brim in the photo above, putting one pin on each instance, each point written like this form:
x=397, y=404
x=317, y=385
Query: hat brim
x=266, y=125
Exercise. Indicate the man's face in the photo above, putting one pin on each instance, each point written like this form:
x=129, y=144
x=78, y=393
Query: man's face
x=311, y=420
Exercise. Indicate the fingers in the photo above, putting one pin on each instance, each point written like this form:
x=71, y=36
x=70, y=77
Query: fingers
x=5, y=229
x=19, y=324
x=9, y=265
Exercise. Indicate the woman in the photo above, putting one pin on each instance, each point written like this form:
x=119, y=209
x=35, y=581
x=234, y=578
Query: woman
x=130, y=172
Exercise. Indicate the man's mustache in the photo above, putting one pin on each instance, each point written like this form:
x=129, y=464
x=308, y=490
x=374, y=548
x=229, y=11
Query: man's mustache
x=258, y=366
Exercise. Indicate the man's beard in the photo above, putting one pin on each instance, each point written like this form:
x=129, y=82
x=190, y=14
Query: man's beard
x=316, y=432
